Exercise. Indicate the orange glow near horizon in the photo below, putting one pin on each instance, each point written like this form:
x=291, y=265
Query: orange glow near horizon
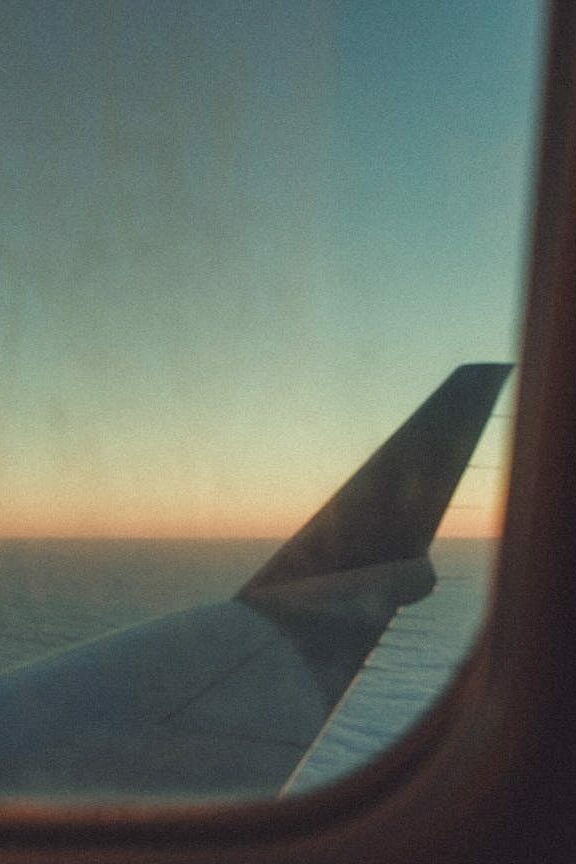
x=232, y=501
x=464, y=519
x=466, y=523
x=458, y=522
x=141, y=525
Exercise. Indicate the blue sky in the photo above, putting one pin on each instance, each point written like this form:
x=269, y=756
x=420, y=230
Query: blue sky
x=241, y=241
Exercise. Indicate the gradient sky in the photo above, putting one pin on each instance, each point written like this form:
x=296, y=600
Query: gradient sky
x=240, y=243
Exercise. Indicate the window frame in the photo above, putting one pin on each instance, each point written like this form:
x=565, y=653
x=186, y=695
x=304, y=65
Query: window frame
x=489, y=773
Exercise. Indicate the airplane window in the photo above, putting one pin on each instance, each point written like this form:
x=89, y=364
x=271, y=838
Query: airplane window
x=250, y=251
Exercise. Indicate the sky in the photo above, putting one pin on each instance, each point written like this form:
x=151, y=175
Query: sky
x=240, y=242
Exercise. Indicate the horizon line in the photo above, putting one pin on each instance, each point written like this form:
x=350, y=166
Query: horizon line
x=204, y=537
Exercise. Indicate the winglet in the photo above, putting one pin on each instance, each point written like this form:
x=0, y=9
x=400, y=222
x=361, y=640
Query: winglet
x=390, y=509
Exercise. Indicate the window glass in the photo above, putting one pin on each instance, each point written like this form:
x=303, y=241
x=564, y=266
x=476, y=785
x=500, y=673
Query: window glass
x=242, y=242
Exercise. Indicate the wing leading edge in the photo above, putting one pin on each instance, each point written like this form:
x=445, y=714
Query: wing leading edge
x=226, y=699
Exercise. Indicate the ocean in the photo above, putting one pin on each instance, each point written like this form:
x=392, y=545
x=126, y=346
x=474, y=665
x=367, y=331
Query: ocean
x=56, y=593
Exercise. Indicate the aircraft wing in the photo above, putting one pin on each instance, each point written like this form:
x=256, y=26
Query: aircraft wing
x=225, y=699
